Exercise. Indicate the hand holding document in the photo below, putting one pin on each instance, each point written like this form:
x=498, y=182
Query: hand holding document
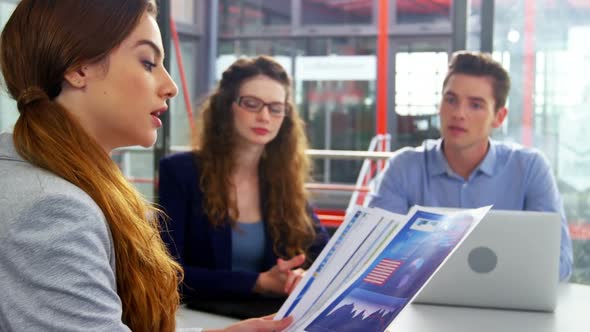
x=373, y=266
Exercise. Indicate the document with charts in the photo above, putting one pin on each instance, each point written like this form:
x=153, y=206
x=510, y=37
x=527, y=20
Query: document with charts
x=373, y=266
x=357, y=237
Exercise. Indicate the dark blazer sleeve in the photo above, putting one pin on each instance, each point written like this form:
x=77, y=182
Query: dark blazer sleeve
x=321, y=239
x=203, y=251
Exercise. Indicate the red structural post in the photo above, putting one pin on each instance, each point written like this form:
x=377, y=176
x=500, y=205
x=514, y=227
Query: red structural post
x=382, y=53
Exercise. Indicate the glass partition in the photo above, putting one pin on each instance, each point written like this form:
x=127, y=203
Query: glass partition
x=183, y=11
x=8, y=111
x=253, y=47
x=330, y=12
x=544, y=44
x=422, y=12
x=180, y=130
x=335, y=82
x=247, y=16
x=419, y=66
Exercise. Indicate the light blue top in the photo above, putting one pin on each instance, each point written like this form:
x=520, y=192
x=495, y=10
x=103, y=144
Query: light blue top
x=510, y=177
x=247, y=246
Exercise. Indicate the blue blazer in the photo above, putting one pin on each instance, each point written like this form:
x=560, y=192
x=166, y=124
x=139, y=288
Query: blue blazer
x=204, y=251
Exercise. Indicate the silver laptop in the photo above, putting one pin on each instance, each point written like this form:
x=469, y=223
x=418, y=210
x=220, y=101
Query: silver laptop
x=509, y=261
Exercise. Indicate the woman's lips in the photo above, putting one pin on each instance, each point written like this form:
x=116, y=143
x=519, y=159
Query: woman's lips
x=260, y=131
x=156, y=118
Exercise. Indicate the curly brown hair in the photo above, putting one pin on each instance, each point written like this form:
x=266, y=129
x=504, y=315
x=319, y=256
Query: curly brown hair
x=283, y=169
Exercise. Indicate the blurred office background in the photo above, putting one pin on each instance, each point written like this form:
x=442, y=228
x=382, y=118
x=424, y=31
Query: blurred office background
x=331, y=47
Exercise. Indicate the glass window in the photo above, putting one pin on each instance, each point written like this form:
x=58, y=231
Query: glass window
x=422, y=12
x=335, y=93
x=550, y=100
x=419, y=77
x=418, y=83
x=180, y=130
x=240, y=16
x=137, y=165
x=8, y=111
x=474, y=25
x=253, y=47
x=420, y=66
x=183, y=11
x=331, y=12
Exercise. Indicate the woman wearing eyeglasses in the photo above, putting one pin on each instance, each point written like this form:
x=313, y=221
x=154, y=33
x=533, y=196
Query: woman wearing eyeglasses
x=240, y=223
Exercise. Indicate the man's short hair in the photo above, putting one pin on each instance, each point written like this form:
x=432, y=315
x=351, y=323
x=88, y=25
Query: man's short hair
x=481, y=64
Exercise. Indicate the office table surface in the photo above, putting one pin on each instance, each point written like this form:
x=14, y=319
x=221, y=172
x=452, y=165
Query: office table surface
x=571, y=315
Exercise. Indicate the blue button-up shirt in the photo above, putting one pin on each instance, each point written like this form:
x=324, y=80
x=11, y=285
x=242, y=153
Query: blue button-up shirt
x=510, y=177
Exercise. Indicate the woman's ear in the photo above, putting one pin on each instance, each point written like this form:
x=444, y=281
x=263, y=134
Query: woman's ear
x=77, y=77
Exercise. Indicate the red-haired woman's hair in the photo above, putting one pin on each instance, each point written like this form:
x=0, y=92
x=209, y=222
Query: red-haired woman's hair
x=283, y=169
x=41, y=41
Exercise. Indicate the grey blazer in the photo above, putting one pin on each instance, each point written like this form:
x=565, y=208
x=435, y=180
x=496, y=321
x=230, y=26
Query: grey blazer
x=57, y=262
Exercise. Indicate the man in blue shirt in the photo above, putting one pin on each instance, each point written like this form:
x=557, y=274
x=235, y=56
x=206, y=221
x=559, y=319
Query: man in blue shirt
x=465, y=168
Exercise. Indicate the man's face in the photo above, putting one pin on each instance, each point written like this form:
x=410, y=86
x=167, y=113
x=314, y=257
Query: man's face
x=467, y=112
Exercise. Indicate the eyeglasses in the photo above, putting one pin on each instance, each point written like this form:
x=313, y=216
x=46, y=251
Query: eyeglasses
x=255, y=105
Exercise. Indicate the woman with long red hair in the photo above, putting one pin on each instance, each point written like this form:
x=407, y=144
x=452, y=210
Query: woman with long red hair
x=79, y=247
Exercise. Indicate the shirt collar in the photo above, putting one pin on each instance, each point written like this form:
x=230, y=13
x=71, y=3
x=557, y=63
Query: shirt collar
x=488, y=163
x=439, y=164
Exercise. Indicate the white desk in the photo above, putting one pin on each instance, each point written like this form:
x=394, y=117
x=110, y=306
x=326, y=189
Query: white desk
x=572, y=315
x=192, y=318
